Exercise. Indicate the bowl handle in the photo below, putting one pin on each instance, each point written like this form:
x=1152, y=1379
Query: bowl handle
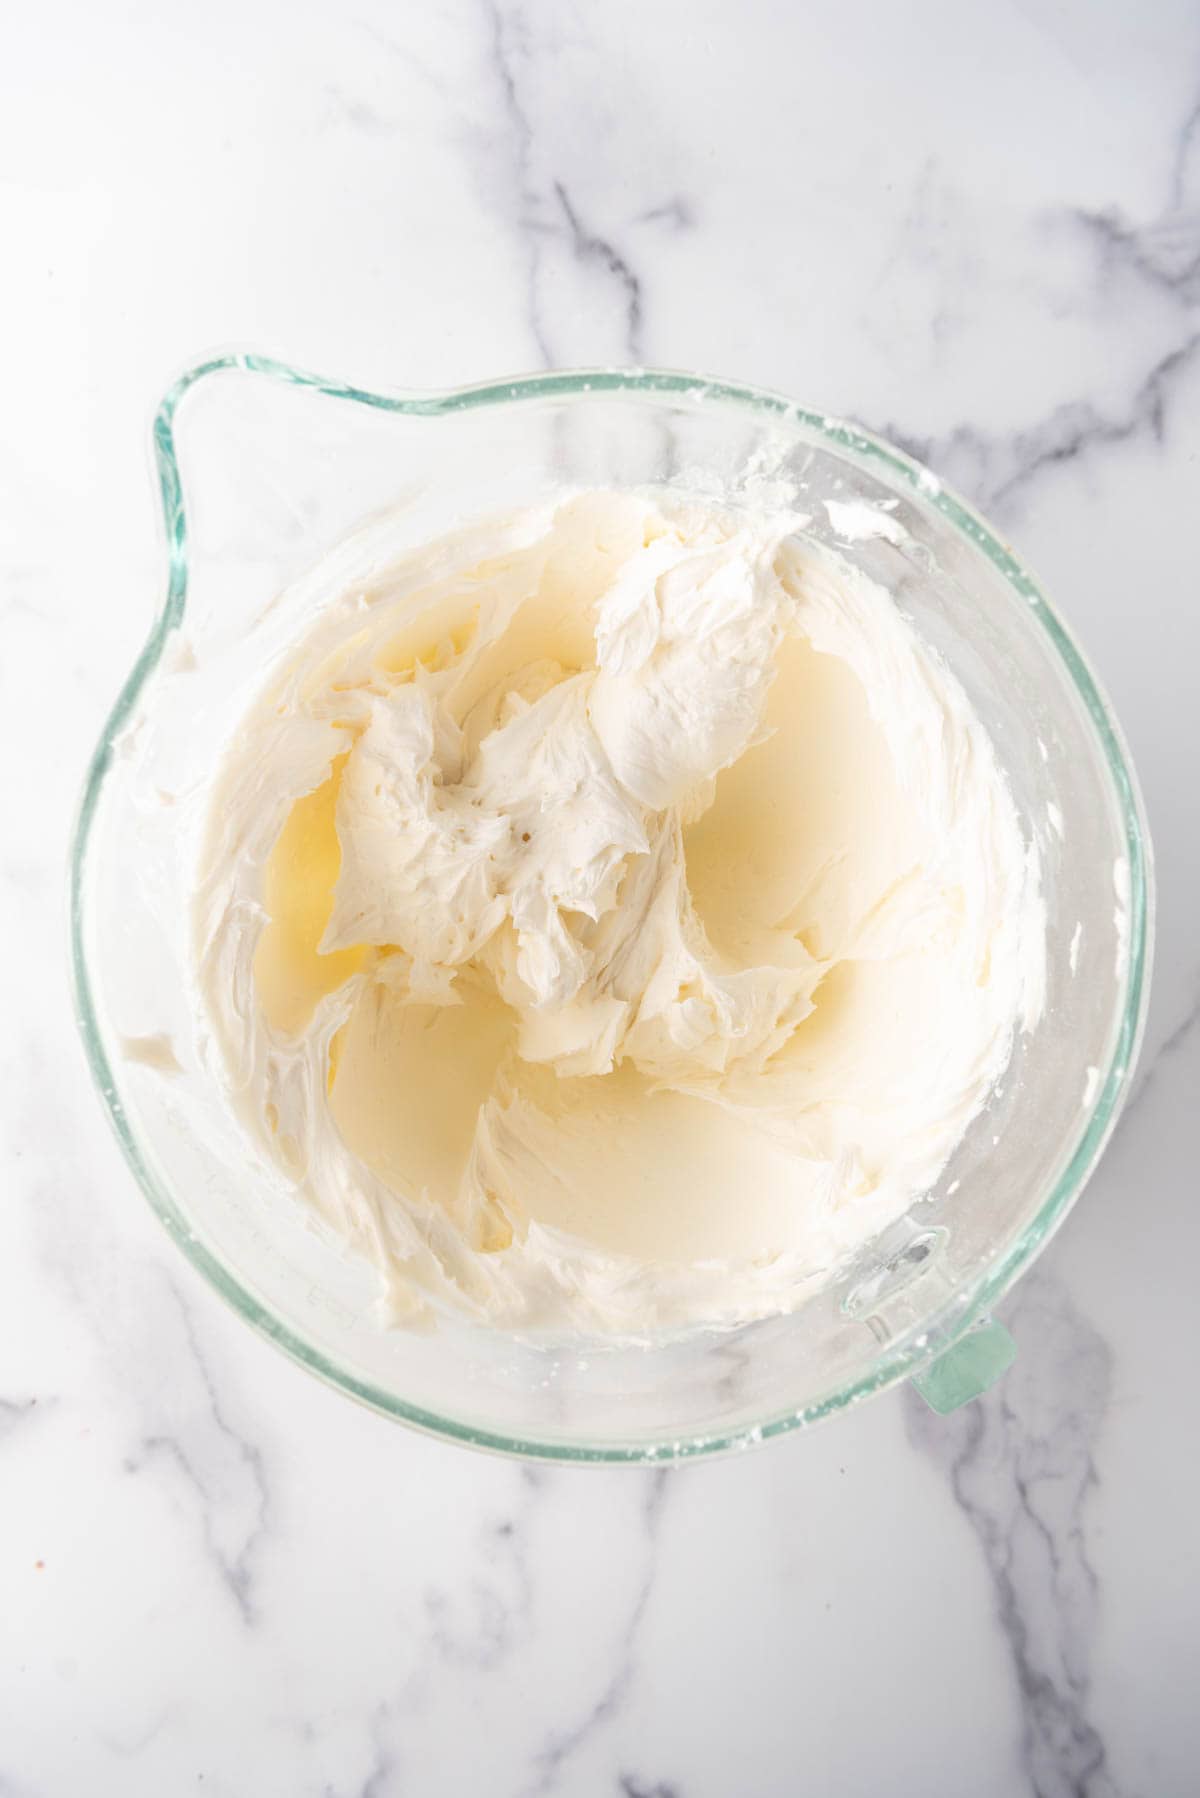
x=967, y=1368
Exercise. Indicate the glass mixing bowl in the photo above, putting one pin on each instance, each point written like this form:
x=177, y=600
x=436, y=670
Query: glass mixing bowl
x=279, y=469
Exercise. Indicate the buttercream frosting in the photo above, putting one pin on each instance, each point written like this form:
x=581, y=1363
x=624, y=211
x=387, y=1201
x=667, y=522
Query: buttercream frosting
x=614, y=915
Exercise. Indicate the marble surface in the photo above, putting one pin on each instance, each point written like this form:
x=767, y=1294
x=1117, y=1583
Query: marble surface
x=976, y=228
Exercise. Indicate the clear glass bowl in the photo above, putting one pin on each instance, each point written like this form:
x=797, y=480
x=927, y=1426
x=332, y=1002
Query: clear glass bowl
x=278, y=468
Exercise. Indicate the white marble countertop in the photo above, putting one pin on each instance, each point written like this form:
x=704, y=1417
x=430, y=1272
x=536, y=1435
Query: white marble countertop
x=975, y=228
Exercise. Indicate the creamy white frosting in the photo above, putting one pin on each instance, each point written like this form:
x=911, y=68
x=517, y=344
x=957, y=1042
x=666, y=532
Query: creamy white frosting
x=652, y=922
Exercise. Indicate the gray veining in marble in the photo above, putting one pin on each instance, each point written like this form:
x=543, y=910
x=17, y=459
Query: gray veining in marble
x=1022, y=1464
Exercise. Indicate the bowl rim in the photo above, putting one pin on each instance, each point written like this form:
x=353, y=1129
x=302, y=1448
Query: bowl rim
x=914, y=1349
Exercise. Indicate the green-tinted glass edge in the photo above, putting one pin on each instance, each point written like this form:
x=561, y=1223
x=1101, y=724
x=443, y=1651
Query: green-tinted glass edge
x=898, y=1360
